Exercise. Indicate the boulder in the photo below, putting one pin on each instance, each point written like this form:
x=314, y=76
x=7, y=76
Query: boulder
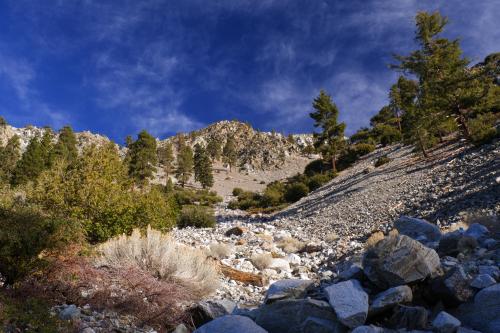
x=409, y=317
x=355, y=271
x=289, y=315
x=293, y=259
x=389, y=298
x=477, y=231
x=492, y=271
x=448, y=244
x=290, y=288
x=454, y=287
x=372, y=329
x=445, y=323
x=349, y=301
x=482, y=281
x=399, y=260
x=483, y=314
x=318, y=325
x=205, y=311
x=70, y=312
x=418, y=229
x=231, y=324
x=279, y=264
x=181, y=328
x=466, y=330
x=237, y=231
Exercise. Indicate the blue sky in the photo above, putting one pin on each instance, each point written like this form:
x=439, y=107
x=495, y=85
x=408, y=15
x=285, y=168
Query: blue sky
x=116, y=67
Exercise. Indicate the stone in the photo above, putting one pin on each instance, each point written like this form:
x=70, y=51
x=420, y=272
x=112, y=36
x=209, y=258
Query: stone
x=417, y=229
x=70, y=312
x=181, y=328
x=231, y=324
x=445, y=323
x=279, y=264
x=466, y=330
x=482, y=281
x=400, y=260
x=293, y=259
x=91, y=330
x=289, y=315
x=454, y=287
x=389, y=298
x=483, y=314
x=370, y=329
x=492, y=271
x=290, y=288
x=206, y=311
x=477, y=231
x=311, y=248
x=448, y=244
x=318, y=325
x=409, y=317
x=355, y=271
x=237, y=231
x=349, y=301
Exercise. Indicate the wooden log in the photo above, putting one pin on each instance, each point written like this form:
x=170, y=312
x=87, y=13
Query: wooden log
x=244, y=277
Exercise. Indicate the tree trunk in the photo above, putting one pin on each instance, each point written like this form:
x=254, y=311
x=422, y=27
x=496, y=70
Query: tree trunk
x=334, y=164
x=244, y=277
x=462, y=122
x=422, y=146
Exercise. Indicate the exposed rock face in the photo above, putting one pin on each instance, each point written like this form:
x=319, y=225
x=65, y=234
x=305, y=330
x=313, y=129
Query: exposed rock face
x=399, y=260
x=349, y=301
x=289, y=288
x=483, y=314
x=231, y=324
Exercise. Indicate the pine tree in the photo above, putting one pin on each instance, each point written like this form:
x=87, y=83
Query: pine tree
x=203, y=167
x=166, y=158
x=30, y=165
x=184, y=164
x=229, y=153
x=47, y=147
x=9, y=155
x=65, y=148
x=142, y=158
x=214, y=148
x=331, y=140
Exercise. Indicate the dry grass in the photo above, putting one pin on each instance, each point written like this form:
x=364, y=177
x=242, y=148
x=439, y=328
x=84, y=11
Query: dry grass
x=220, y=250
x=374, y=238
x=162, y=257
x=262, y=260
x=332, y=237
x=291, y=245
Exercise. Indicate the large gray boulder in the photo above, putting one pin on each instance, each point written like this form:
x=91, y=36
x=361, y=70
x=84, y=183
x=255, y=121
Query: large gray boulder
x=454, y=287
x=389, y=298
x=477, y=231
x=290, y=288
x=349, y=301
x=400, y=260
x=231, y=324
x=318, y=325
x=482, y=281
x=409, y=317
x=484, y=314
x=290, y=315
x=445, y=323
x=418, y=229
x=206, y=311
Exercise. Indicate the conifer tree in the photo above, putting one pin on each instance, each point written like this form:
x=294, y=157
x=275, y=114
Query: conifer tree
x=166, y=158
x=142, y=158
x=65, y=148
x=184, y=164
x=9, y=155
x=202, y=167
x=330, y=142
x=214, y=148
x=47, y=147
x=30, y=165
x=229, y=153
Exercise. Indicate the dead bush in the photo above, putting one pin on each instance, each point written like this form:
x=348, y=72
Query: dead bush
x=220, y=250
x=290, y=245
x=374, y=238
x=158, y=254
x=261, y=260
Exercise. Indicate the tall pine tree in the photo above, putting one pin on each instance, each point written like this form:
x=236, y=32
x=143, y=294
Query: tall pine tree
x=330, y=141
x=30, y=165
x=229, y=153
x=184, y=164
x=142, y=158
x=214, y=148
x=166, y=158
x=65, y=148
x=9, y=155
x=203, y=167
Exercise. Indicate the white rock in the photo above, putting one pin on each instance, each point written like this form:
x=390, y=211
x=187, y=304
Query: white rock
x=293, y=259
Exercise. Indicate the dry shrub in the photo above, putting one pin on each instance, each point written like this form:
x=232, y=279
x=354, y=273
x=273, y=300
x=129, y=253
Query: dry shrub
x=220, y=250
x=158, y=254
x=332, y=237
x=290, y=245
x=261, y=260
x=374, y=238
x=127, y=290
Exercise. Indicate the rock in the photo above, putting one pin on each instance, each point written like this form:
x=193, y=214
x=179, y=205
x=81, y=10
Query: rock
x=466, y=330
x=355, y=271
x=492, y=271
x=290, y=288
x=389, y=298
x=206, y=311
x=349, y=301
x=181, y=328
x=231, y=324
x=311, y=248
x=482, y=281
x=318, y=325
x=417, y=229
x=293, y=259
x=289, y=315
x=370, y=329
x=279, y=264
x=399, y=260
x=409, y=317
x=445, y=323
x=70, y=312
x=477, y=231
x=453, y=288
x=448, y=244
x=483, y=314
x=91, y=330
x=237, y=231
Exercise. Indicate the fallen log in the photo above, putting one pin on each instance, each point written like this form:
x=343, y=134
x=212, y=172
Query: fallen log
x=244, y=277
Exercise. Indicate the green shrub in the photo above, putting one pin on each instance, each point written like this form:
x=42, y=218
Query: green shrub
x=316, y=166
x=25, y=233
x=317, y=181
x=196, y=216
x=362, y=149
x=237, y=191
x=273, y=195
x=381, y=161
x=483, y=129
x=296, y=191
x=387, y=134
x=191, y=197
